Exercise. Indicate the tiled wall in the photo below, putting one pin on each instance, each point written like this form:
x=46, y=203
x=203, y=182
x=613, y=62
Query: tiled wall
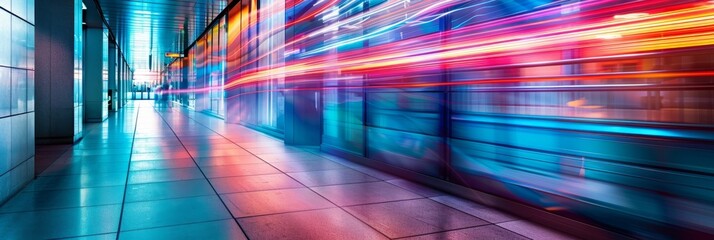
x=17, y=95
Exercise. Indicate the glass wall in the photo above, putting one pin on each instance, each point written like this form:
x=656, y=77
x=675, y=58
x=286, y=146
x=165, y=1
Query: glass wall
x=344, y=97
x=255, y=40
x=105, y=73
x=270, y=37
x=217, y=66
x=191, y=78
x=78, y=93
x=205, y=68
x=587, y=109
x=17, y=95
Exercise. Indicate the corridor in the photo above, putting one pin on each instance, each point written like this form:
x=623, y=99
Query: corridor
x=171, y=173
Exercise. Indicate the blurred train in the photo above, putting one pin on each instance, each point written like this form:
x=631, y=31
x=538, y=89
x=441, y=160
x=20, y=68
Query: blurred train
x=600, y=111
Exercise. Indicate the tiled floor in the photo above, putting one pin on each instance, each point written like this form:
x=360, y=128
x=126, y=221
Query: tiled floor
x=151, y=173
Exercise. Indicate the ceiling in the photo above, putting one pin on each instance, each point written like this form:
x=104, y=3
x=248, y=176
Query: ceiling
x=154, y=27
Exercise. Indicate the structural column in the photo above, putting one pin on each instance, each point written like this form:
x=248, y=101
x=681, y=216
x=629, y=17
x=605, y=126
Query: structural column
x=120, y=77
x=96, y=64
x=59, y=107
x=95, y=87
x=112, y=74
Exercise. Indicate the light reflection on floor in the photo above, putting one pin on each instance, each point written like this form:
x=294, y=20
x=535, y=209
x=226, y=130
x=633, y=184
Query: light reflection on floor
x=162, y=173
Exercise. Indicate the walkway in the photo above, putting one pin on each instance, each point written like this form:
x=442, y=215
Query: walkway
x=151, y=173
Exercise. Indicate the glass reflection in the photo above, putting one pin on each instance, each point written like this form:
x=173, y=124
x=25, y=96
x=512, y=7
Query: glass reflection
x=598, y=110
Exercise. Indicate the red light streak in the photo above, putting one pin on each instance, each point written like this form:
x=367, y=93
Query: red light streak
x=664, y=30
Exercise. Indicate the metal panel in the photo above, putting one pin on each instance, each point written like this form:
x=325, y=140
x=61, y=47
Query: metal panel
x=19, y=46
x=5, y=91
x=4, y=146
x=19, y=91
x=5, y=37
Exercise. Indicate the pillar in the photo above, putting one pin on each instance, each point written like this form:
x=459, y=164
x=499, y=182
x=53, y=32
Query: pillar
x=96, y=65
x=59, y=105
x=111, y=74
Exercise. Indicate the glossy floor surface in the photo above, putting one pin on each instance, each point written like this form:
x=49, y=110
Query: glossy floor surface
x=169, y=173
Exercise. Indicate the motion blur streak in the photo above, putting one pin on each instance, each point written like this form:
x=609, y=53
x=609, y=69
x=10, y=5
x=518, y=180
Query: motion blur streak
x=600, y=111
x=528, y=43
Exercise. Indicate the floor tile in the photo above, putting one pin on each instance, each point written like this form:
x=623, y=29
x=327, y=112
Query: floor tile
x=284, y=157
x=164, y=146
x=103, y=151
x=374, y=173
x=54, y=199
x=138, y=149
x=273, y=201
x=223, y=229
x=331, y=177
x=107, y=236
x=413, y=217
x=164, y=175
x=164, y=153
x=363, y=193
x=254, y=183
x=84, y=167
x=276, y=149
x=253, y=143
x=167, y=190
x=51, y=148
x=91, y=145
x=333, y=224
x=205, y=147
x=167, y=139
x=194, y=142
x=45, y=155
x=77, y=181
x=192, y=127
x=475, y=209
x=238, y=170
x=219, y=152
x=161, y=213
x=170, y=154
x=361, y=168
x=416, y=188
x=162, y=164
x=481, y=232
x=532, y=230
x=108, y=158
x=59, y=223
x=305, y=166
x=228, y=160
